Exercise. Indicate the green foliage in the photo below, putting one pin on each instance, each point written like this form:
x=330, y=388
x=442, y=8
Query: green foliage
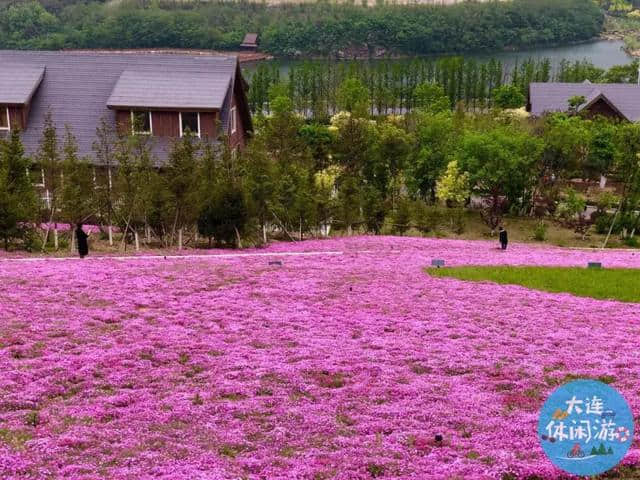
x=401, y=217
x=575, y=102
x=307, y=28
x=353, y=97
x=427, y=218
x=508, y=96
x=573, y=205
x=181, y=181
x=453, y=186
x=225, y=216
x=18, y=203
x=540, y=231
x=431, y=97
x=435, y=146
x=501, y=164
x=77, y=200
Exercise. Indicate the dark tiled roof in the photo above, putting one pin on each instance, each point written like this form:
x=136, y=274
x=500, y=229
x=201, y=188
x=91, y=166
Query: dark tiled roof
x=18, y=82
x=77, y=85
x=554, y=97
x=188, y=89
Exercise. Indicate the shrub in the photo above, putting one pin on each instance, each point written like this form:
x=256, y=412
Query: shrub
x=401, y=217
x=540, y=231
x=426, y=218
x=458, y=220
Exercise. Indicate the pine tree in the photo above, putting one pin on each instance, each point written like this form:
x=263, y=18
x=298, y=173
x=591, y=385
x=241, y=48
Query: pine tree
x=18, y=201
x=77, y=197
x=180, y=175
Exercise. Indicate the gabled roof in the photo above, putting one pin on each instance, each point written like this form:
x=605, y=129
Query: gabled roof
x=179, y=89
x=554, y=97
x=597, y=96
x=250, y=40
x=77, y=85
x=18, y=82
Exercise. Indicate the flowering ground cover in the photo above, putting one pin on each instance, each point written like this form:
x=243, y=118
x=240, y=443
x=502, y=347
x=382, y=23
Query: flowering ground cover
x=336, y=365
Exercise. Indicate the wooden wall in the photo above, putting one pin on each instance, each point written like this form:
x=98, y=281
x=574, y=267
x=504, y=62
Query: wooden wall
x=237, y=139
x=167, y=124
x=17, y=116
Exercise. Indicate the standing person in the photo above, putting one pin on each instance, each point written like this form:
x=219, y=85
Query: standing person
x=504, y=239
x=83, y=244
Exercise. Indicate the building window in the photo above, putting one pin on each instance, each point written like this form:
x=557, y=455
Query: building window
x=4, y=118
x=141, y=123
x=234, y=120
x=190, y=121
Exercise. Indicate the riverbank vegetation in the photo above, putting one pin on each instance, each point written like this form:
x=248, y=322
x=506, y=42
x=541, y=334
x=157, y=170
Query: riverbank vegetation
x=313, y=86
x=318, y=29
x=354, y=172
x=603, y=284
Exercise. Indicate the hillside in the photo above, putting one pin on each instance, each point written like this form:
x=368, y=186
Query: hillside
x=319, y=29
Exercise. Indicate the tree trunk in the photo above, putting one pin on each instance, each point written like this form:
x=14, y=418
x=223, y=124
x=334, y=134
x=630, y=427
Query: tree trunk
x=264, y=233
x=603, y=182
x=72, y=243
x=55, y=238
x=110, y=230
x=180, y=238
x=238, y=237
x=147, y=232
x=137, y=239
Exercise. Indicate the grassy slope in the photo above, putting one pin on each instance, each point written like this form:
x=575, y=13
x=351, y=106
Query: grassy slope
x=616, y=284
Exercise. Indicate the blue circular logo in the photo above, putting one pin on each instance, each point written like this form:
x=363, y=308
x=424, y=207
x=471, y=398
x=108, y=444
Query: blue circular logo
x=585, y=427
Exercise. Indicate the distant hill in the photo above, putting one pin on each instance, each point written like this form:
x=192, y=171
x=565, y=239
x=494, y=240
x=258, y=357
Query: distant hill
x=309, y=29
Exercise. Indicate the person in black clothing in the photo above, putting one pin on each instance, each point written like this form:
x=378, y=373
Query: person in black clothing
x=83, y=244
x=504, y=239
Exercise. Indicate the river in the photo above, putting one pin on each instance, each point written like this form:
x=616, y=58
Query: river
x=602, y=53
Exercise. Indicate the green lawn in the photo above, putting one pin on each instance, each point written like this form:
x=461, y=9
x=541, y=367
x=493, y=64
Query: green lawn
x=616, y=284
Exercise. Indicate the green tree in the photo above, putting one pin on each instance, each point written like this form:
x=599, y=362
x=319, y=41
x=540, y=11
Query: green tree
x=435, y=145
x=77, y=201
x=103, y=147
x=501, y=165
x=508, y=96
x=225, y=215
x=180, y=174
x=453, y=186
x=261, y=181
x=48, y=158
x=18, y=201
x=353, y=97
x=431, y=97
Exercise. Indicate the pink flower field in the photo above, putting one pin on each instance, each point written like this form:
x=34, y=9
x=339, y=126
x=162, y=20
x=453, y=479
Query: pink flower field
x=342, y=363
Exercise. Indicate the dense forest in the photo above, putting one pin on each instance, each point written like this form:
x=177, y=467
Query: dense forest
x=318, y=29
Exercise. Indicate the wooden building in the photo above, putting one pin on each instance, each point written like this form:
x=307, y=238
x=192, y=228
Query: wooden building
x=143, y=93
x=613, y=100
x=250, y=41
